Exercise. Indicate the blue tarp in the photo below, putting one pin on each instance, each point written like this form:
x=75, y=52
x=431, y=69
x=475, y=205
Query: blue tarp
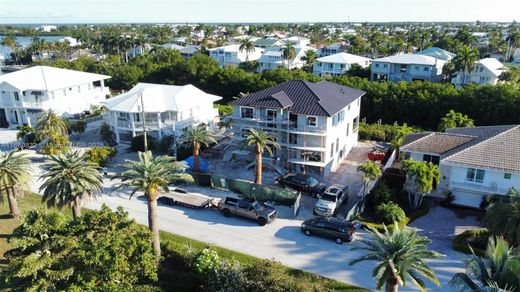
x=203, y=164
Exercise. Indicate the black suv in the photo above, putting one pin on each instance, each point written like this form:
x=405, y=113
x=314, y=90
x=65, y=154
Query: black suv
x=336, y=228
x=302, y=182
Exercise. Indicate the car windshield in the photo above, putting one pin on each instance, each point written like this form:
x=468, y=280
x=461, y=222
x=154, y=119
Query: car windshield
x=257, y=206
x=328, y=197
x=311, y=181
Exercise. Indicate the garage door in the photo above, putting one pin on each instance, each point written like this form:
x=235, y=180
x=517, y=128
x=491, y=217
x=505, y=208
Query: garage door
x=466, y=198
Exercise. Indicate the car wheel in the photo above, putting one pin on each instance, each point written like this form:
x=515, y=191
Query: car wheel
x=339, y=240
x=349, y=239
x=261, y=221
x=307, y=232
x=226, y=212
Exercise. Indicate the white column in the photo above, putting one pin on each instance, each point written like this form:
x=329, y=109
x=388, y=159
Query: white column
x=28, y=118
x=115, y=125
x=159, y=126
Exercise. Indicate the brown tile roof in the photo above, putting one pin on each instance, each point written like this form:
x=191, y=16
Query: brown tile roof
x=499, y=152
x=436, y=143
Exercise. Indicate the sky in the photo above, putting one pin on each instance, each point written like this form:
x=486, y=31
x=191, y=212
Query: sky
x=194, y=11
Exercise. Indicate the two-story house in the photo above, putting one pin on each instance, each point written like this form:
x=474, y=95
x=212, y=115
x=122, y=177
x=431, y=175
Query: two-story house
x=272, y=58
x=333, y=49
x=26, y=93
x=168, y=109
x=437, y=53
x=268, y=43
x=338, y=64
x=474, y=162
x=407, y=67
x=485, y=71
x=231, y=55
x=315, y=123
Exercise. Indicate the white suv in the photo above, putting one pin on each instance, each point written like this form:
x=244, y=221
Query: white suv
x=331, y=199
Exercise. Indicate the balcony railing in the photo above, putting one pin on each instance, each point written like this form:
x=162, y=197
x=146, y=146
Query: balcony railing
x=491, y=189
x=153, y=124
x=282, y=125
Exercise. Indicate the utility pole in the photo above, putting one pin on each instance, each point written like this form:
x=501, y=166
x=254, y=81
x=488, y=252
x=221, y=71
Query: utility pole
x=144, y=122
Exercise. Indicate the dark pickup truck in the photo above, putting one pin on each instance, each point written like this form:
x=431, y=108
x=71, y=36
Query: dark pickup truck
x=247, y=208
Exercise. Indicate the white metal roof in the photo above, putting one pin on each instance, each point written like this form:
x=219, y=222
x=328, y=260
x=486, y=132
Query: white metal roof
x=48, y=78
x=343, y=58
x=409, y=59
x=492, y=65
x=159, y=98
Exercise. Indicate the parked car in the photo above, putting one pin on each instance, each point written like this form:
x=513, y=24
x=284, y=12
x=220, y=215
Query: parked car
x=302, y=182
x=330, y=201
x=338, y=229
x=247, y=208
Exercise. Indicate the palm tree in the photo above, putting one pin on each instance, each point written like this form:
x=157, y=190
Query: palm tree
x=465, y=61
x=262, y=141
x=497, y=271
x=248, y=46
x=10, y=41
x=310, y=59
x=69, y=179
x=399, y=136
x=289, y=53
x=400, y=256
x=15, y=176
x=151, y=175
x=371, y=171
x=503, y=217
x=194, y=139
x=48, y=124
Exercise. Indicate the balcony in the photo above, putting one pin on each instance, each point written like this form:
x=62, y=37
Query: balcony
x=154, y=124
x=471, y=186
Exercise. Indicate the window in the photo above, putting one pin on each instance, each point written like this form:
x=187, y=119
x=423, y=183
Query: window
x=348, y=129
x=337, y=144
x=416, y=67
x=293, y=138
x=403, y=68
x=271, y=115
x=246, y=112
x=331, y=150
x=475, y=175
x=385, y=65
x=79, y=89
x=338, y=118
x=355, y=124
x=377, y=65
x=64, y=92
x=507, y=175
x=312, y=121
x=358, y=101
x=481, y=69
x=16, y=96
x=426, y=69
x=348, y=107
x=431, y=158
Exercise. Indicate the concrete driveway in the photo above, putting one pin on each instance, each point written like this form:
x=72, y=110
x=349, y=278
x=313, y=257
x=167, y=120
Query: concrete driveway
x=280, y=240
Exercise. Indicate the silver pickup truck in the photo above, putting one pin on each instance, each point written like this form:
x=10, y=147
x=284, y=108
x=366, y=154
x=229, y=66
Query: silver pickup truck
x=247, y=208
x=330, y=201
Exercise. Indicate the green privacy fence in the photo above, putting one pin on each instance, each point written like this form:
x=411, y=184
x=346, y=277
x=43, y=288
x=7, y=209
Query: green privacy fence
x=262, y=193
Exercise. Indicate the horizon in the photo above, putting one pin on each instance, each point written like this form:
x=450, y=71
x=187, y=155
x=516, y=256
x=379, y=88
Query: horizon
x=253, y=11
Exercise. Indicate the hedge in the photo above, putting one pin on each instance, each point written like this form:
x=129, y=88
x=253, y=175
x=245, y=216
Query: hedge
x=476, y=238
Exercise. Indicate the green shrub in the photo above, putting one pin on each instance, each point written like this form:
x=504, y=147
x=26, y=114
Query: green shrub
x=165, y=144
x=224, y=110
x=107, y=135
x=137, y=143
x=23, y=131
x=100, y=155
x=380, y=194
x=78, y=127
x=390, y=212
x=207, y=261
x=227, y=277
x=476, y=238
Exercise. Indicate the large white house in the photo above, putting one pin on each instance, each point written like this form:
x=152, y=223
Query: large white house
x=315, y=123
x=474, y=162
x=231, y=55
x=272, y=58
x=486, y=71
x=169, y=109
x=25, y=93
x=338, y=64
x=407, y=67
x=333, y=49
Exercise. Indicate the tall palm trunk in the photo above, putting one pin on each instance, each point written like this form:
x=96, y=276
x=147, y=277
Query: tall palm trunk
x=76, y=211
x=258, y=178
x=13, y=204
x=392, y=286
x=196, y=162
x=152, y=224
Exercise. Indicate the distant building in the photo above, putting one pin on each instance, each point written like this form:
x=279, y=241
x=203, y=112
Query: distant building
x=268, y=43
x=169, y=109
x=187, y=52
x=47, y=28
x=73, y=42
x=333, y=49
x=338, y=64
x=486, y=71
x=407, y=67
x=437, y=53
x=272, y=58
x=28, y=92
x=231, y=55
x=315, y=123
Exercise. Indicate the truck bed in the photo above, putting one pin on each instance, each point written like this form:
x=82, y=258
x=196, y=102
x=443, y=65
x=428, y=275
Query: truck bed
x=192, y=200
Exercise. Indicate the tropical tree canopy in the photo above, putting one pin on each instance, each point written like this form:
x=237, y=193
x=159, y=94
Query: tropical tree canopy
x=499, y=270
x=503, y=217
x=70, y=179
x=103, y=251
x=422, y=174
x=48, y=124
x=262, y=141
x=400, y=255
x=194, y=139
x=453, y=120
x=399, y=136
x=15, y=177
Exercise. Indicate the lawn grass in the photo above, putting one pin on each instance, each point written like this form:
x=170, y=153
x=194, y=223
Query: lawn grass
x=33, y=201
